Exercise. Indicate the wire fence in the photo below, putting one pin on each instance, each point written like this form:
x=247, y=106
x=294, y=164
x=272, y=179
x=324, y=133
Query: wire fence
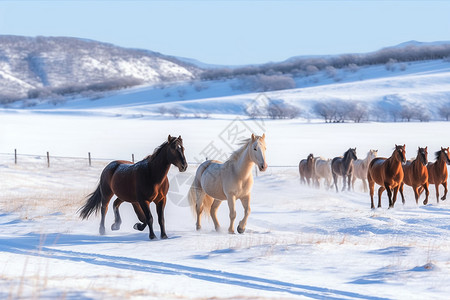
x=88, y=159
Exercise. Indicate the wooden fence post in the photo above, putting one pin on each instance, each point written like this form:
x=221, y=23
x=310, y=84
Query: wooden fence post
x=15, y=156
x=132, y=157
x=89, y=155
x=48, y=159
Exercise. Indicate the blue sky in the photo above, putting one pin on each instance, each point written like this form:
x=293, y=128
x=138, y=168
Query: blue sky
x=234, y=32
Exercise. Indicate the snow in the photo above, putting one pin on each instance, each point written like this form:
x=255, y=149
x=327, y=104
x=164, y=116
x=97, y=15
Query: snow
x=300, y=243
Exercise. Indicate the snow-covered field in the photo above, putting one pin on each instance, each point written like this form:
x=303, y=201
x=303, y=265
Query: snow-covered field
x=300, y=242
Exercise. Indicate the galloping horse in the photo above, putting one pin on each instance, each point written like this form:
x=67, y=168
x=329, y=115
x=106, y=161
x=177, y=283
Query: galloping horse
x=140, y=184
x=306, y=168
x=343, y=166
x=388, y=173
x=323, y=170
x=215, y=181
x=360, y=167
x=416, y=175
x=437, y=172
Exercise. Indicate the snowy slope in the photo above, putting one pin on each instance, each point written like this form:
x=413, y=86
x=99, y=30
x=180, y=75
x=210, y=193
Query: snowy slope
x=422, y=83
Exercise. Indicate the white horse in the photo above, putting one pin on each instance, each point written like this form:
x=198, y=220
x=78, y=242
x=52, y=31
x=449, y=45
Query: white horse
x=215, y=182
x=360, y=167
x=323, y=170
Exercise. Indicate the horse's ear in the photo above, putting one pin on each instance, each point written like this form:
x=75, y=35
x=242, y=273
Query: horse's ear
x=404, y=146
x=253, y=137
x=263, y=136
x=179, y=137
x=169, y=138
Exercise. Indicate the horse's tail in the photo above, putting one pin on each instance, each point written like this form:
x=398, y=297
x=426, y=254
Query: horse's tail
x=93, y=204
x=199, y=201
x=94, y=201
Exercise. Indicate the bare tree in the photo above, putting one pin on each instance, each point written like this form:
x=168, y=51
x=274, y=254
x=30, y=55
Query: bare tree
x=444, y=110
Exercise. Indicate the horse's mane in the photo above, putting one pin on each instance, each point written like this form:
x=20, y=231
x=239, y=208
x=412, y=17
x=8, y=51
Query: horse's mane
x=237, y=153
x=437, y=154
x=151, y=157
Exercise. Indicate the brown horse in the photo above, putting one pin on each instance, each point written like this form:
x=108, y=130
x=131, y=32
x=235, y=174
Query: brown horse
x=343, y=166
x=388, y=173
x=306, y=169
x=140, y=184
x=416, y=175
x=437, y=172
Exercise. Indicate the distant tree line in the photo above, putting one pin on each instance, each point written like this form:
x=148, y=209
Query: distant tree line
x=87, y=89
x=309, y=66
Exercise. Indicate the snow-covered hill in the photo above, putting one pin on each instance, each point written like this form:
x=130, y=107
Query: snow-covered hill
x=28, y=63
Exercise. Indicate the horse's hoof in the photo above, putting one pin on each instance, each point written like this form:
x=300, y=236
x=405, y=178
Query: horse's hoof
x=115, y=227
x=164, y=236
x=152, y=237
x=102, y=231
x=139, y=226
x=240, y=230
x=443, y=198
x=425, y=202
x=198, y=227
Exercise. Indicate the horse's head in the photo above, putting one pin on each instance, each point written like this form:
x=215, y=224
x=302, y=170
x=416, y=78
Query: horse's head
x=310, y=158
x=258, y=151
x=372, y=154
x=352, y=153
x=422, y=155
x=400, y=153
x=445, y=153
x=175, y=153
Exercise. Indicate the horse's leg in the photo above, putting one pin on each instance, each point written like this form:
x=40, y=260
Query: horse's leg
x=246, y=204
x=427, y=192
x=380, y=191
x=394, y=199
x=160, y=210
x=343, y=182
x=401, y=193
x=335, y=182
x=117, y=219
x=364, y=185
x=213, y=212
x=444, y=184
x=371, y=190
x=145, y=205
x=389, y=192
x=353, y=181
x=107, y=195
x=436, y=186
x=349, y=177
x=140, y=214
x=232, y=206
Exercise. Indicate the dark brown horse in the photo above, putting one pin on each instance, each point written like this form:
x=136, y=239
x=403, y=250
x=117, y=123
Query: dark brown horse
x=343, y=166
x=416, y=175
x=140, y=184
x=388, y=173
x=306, y=169
x=437, y=172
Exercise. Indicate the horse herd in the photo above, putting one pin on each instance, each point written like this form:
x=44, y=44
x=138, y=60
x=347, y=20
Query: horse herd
x=391, y=174
x=146, y=181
